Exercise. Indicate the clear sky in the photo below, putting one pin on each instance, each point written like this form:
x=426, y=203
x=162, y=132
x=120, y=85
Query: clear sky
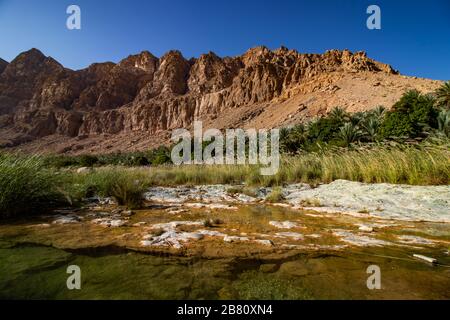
x=415, y=35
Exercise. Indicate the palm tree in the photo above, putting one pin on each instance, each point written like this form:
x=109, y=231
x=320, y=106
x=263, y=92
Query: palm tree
x=371, y=128
x=443, y=120
x=338, y=113
x=379, y=111
x=443, y=95
x=349, y=133
x=357, y=117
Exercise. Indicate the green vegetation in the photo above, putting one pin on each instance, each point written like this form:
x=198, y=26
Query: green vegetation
x=248, y=191
x=276, y=195
x=443, y=96
x=408, y=144
x=154, y=157
x=125, y=186
x=256, y=285
x=414, y=117
x=410, y=117
x=26, y=186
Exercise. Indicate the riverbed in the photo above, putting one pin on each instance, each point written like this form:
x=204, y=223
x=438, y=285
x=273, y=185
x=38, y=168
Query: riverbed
x=206, y=243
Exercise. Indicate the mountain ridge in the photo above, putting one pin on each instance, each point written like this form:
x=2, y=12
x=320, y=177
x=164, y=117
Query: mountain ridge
x=135, y=103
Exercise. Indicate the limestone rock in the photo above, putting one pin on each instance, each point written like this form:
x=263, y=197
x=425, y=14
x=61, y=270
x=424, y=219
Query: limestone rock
x=143, y=96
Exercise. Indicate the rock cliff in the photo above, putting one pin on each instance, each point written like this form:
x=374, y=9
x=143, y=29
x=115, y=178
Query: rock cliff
x=135, y=103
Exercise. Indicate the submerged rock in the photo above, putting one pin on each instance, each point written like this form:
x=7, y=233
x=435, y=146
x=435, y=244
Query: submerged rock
x=283, y=224
x=234, y=238
x=365, y=228
x=108, y=222
x=407, y=239
x=172, y=239
x=264, y=242
x=66, y=219
x=292, y=235
x=359, y=240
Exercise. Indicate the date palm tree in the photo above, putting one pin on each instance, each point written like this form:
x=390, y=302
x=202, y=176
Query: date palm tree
x=338, y=113
x=371, y=128
x=443, y=95
x=379, y=111
x=443, y=121
x=349, y=133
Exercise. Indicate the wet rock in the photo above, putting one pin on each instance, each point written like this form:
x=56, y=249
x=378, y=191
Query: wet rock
x=127, y=213
x=172, y=239
x=365, y=228
x=139, y=224
x=108, y=222
x=212, y=233
x=106, y=201
x=268, y=243
x=407, y=239
x=283, y=224
x=67, y=219
x=170, y=236
x=83, y=170
x=234, y=239
x=359, y=240
x=211, y=206
x=293, y=235
x=314, y=236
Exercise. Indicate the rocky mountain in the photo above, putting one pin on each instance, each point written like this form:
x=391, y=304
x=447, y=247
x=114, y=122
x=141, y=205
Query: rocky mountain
x=135, y=103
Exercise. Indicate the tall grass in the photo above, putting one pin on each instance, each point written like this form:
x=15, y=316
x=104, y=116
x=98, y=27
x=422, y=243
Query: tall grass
x=27, y=187
x=126, y=186
x=407, y=165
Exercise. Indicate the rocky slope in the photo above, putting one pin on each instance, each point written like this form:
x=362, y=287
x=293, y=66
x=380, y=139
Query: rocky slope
x=135, y=103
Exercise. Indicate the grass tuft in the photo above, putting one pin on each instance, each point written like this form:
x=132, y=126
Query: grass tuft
x=27, y=187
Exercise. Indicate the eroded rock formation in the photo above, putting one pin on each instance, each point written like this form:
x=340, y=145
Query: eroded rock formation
x=143, y=93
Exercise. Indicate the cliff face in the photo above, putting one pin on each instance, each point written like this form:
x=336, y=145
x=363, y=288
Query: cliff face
x=143, y=94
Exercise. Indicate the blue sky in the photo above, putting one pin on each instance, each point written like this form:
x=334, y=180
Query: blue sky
x=415, y=35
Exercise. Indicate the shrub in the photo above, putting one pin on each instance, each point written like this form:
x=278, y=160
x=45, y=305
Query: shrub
x=160, y=156
x=276, y=195
x=410, y=116
x=324, y=129
x=251, y=192
x=293, y=139
x=87, y=160
x=126, y=186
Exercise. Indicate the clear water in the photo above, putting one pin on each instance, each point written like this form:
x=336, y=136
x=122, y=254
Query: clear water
x=34, y=259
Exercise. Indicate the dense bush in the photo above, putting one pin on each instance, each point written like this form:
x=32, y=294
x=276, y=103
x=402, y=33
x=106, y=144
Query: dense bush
x=155, y=157
x=411, y=116
x=414, y=116
x=324, y=129
x=160, y=156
